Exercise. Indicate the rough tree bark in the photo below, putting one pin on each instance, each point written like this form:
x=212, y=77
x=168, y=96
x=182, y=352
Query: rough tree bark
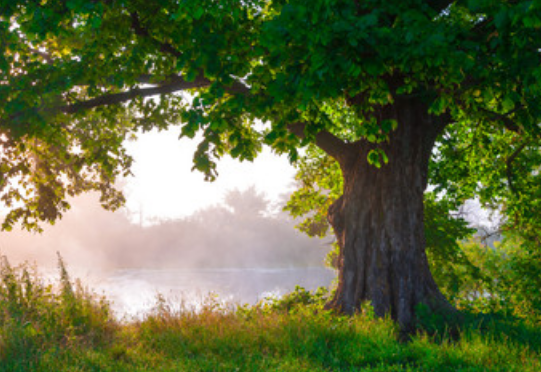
x=378, y=221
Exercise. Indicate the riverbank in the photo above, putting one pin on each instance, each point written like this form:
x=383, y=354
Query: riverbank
x=66, y=328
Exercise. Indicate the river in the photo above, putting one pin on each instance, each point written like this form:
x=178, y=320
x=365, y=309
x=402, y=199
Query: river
x=133, y=292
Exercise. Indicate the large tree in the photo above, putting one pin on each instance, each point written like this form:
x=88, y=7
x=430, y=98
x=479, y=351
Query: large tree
x=373, y=84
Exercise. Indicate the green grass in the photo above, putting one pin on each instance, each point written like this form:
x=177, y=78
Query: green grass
x=62, y=327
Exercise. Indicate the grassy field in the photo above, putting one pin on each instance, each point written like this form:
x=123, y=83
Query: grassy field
x=62, y=327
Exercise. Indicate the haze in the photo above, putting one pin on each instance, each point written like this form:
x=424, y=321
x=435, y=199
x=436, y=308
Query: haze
x=164, y=186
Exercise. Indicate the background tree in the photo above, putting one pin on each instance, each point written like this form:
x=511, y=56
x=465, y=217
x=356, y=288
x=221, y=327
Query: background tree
x=373, y=84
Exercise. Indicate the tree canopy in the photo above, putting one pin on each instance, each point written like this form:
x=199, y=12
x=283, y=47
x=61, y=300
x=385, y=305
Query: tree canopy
x=76, y=77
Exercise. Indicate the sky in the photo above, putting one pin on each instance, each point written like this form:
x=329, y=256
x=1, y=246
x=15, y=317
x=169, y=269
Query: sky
x=164, y=187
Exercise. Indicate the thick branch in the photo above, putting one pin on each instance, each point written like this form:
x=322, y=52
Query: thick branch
x=435, y=127
x=237, y=87
x=438, y=124
x=110, y=99
x=140, y=30
x=174, y=83
x=326, y=141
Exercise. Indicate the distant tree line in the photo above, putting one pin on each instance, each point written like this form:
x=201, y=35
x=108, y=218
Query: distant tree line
x=242, y=232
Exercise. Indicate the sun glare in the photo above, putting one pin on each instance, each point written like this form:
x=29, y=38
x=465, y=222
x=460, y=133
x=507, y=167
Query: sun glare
x=164, y=187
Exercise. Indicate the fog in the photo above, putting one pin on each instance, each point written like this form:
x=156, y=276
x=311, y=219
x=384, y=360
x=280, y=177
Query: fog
x=245, y=231
x=243, y=250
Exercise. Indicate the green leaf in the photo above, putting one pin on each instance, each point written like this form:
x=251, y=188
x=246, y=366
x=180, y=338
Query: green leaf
x=438, y=106
x=199, y=11
x=374, y=158
x=271, y=137
x=532, y=21
x=508, y=104
x=388, y=125
x=96, y=22
x=191, y=75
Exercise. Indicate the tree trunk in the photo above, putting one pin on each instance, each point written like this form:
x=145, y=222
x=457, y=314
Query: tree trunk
x=378, y=221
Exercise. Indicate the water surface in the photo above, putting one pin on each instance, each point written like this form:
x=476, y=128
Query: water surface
x=134, y=291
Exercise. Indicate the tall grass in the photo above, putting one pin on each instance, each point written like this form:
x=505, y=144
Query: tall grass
x=39, y=320
x=63, y=327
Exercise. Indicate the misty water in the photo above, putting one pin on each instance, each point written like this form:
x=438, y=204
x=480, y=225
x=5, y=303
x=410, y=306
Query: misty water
x=234, y=251
x=133, y=292
x=238, y=252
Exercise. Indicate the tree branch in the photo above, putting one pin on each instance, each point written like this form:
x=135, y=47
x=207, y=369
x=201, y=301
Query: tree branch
x=328, y=142
x=172, y=84
x=46, y=56
x=508, y=123
x=437, y=125
x=142, y=31
x=237, y=87
x=176, y=85
x=509, y=166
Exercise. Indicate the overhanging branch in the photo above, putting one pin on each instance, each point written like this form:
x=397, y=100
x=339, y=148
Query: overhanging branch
x=328, y=142
x=173, y=83
x=176, y=85
x=140, y=30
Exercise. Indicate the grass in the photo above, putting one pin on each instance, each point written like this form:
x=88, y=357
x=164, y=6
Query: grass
x=63, y=327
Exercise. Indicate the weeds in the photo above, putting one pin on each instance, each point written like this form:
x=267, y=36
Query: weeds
x=35, y=315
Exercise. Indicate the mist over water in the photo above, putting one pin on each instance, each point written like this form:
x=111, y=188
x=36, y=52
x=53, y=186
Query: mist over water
x=133, y=292
x=240, y=251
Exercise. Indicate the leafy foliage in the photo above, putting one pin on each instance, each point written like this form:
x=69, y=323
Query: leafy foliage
x=76, y=77
x=506, y=281
x=499, y=167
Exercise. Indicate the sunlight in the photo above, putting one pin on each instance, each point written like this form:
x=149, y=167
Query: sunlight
x=164, y=187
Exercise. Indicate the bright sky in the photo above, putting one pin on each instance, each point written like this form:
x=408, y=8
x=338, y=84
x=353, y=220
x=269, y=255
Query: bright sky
x=164, y=186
